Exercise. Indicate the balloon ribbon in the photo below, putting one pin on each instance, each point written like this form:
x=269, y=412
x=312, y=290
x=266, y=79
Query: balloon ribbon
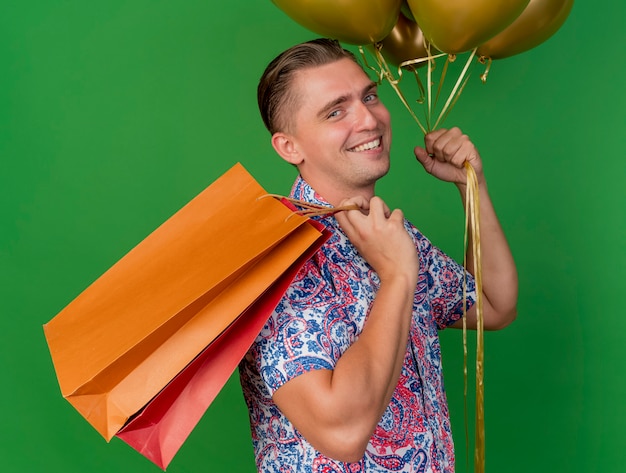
x=472, y=226
x=383, y=71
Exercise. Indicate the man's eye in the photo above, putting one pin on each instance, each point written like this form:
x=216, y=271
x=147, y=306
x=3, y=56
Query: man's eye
x=333, y=114
x=370, y=98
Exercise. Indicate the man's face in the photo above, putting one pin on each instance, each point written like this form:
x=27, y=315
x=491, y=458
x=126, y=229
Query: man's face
x=339, y=129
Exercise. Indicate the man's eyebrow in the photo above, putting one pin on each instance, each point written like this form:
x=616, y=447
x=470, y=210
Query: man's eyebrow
x=339, y=100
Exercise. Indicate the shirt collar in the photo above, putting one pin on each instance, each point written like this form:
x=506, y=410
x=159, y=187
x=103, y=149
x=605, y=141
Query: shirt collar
x=301, y=190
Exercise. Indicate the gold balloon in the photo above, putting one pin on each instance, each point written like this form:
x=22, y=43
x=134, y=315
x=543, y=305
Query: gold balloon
x=540, y=20
x=456, y=26
x=351, y=21
x=405, y=42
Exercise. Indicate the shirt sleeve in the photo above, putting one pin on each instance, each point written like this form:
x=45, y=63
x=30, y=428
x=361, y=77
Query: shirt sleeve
x=309, y=329
x=449, y=284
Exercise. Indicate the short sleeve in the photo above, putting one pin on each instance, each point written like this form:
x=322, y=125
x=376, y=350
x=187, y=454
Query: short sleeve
x=449, y=286
x=311, y=326
x=442, y=281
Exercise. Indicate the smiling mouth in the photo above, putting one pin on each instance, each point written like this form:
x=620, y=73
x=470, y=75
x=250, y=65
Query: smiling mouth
x=366, y=146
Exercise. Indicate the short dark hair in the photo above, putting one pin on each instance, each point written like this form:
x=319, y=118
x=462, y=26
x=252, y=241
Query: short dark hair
x=274, y=89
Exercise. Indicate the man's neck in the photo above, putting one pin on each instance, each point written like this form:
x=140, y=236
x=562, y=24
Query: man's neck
x=335, y=196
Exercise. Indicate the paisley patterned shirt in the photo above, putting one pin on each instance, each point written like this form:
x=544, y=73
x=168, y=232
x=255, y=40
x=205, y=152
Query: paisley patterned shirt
x=320, y=316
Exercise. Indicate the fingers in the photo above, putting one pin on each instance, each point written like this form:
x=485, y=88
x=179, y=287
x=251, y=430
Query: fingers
x=425, y=159
x=449, y=146
x=445, y=154
x=379, y=208
x=432, y=137
x=375, y=210
x=360, y=201
x=374, y=206
x=380, y=236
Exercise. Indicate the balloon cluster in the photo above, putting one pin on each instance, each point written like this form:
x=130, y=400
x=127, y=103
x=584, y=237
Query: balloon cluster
x=406, y=33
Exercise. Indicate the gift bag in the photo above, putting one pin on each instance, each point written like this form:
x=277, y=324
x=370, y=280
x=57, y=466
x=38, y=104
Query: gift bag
x=161, y=428
x=126, y=336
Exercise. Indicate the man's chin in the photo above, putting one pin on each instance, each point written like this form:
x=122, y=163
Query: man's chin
x=373, y=175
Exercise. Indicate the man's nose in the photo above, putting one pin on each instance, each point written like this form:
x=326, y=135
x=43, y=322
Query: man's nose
x=365, y=117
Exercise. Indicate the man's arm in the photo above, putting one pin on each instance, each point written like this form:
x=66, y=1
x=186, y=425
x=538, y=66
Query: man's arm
x=444, y=156
x=337, y=411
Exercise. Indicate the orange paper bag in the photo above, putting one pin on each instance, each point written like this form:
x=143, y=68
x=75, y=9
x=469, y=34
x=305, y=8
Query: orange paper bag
x=161, y=428
x=126, y=336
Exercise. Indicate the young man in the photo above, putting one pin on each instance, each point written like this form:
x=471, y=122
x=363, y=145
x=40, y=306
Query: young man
x=346, y=376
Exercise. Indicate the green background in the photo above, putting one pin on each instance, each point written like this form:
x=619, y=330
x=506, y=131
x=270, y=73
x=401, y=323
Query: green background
x=114, y=114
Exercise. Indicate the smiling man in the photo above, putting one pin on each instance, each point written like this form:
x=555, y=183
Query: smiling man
x=346, y=376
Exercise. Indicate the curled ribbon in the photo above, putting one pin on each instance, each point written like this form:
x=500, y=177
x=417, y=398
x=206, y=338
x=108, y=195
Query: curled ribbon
x=472, y=225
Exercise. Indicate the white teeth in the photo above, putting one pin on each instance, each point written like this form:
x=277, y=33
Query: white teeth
x=366, y=146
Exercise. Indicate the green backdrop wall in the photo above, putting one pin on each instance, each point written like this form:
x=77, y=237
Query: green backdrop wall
x=114, y=114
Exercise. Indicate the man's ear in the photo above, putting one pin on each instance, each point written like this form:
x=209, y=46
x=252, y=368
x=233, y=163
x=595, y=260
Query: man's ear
x=286, y=147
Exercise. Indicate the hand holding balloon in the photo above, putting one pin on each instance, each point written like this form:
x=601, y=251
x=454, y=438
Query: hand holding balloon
x=445, y=154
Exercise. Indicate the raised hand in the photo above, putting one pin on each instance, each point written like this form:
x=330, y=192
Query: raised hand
x=445, y=154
